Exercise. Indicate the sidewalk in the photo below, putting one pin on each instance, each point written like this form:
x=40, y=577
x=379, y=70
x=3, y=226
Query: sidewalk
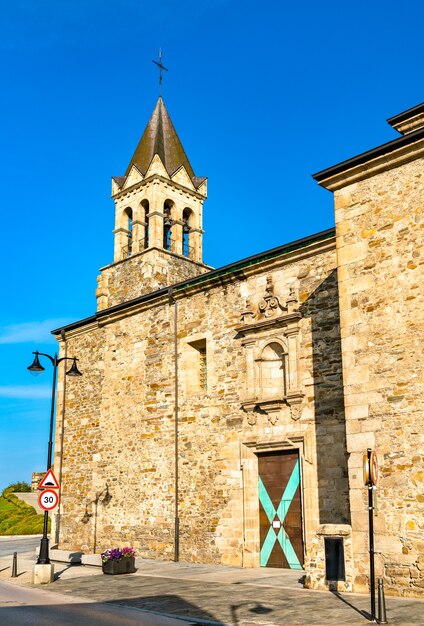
x=218, y=595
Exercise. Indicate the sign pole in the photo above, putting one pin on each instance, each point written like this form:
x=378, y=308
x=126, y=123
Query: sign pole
x=370, y=479
x=371, y=537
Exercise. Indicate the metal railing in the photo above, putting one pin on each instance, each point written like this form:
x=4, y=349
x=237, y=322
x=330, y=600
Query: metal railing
x=128, y=250
x=187, y=251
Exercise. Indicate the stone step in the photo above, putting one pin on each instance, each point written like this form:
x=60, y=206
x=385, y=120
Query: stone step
x=91, y=559
x=66, y=556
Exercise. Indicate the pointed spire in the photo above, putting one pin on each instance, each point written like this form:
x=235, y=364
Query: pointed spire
x=160, y=137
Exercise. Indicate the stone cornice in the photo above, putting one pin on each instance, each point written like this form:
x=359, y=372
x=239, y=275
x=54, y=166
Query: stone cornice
x=270, y=260
x=280, y=321
x=139, y=254
x=153, y=178
x=90, y=324
x=385, y=157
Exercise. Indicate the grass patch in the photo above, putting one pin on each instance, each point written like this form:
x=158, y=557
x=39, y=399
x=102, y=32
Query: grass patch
x=5, y=506
x=19, y=518
x=20, y=487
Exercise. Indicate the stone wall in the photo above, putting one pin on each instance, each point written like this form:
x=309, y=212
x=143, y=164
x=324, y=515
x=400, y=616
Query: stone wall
x=78, y=436
x=117, y=462
x=141, y=274
x=36, y=478
x=380, y=249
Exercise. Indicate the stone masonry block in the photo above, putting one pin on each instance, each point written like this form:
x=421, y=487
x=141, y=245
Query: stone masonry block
x=42, y=574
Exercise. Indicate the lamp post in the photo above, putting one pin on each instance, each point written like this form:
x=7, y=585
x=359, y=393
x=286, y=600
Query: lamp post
x=36, y=368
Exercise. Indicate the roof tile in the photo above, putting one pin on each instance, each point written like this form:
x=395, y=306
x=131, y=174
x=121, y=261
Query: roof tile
x=160, y=137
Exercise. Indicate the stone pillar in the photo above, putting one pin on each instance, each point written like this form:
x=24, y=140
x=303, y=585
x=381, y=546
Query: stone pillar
x=138, y=236
x=251, y=547
x=121, y=243
x=156, y=217
x=177, y=238
x=292, y=335
x=195, y=244
x=250, y=390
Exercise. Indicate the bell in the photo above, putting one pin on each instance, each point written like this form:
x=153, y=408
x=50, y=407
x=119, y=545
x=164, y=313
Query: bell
x=186, y=227
x=36, y=368
x=167, y=221
x=74, y=371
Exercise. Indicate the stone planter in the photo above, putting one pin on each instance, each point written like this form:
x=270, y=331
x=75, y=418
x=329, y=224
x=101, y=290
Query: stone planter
x=126, y=565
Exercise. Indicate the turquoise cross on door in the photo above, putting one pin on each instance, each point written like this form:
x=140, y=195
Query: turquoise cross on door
x=280, y=510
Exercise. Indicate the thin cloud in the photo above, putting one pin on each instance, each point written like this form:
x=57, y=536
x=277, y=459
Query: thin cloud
x=25, y=391
x=29, y=332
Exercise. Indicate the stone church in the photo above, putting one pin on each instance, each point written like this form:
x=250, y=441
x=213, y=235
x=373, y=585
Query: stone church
x=223, y=414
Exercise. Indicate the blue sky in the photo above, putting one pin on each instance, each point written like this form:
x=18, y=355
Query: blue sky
x=262, y=95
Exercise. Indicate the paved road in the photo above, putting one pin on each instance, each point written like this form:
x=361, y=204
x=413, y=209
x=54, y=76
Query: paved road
x=19, y=544
x=32, y=607
x=196, y=594
x=234, y=604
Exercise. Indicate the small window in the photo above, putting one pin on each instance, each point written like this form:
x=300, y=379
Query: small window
x=196, y=365
x=334, y=558
x=203, y=368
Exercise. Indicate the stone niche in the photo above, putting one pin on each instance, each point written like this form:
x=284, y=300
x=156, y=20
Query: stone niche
x=270, y=337
x=329, y=563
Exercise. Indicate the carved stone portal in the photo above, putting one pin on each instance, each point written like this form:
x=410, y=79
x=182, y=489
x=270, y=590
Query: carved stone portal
x=270, y=337
x=270, y=305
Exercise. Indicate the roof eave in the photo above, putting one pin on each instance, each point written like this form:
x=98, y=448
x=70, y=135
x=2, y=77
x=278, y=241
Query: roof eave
x=406, y=115
x=202, y=278
x=388, y=155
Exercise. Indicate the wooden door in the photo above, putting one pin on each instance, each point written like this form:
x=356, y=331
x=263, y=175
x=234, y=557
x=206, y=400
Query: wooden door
x=280, y=510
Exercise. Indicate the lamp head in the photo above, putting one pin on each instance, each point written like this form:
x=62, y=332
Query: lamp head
x=36, y=368
x=73, y=370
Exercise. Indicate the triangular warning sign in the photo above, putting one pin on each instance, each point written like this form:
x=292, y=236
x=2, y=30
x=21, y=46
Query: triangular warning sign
x=49, y=481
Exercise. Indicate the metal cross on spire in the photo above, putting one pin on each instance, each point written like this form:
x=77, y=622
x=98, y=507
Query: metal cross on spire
x=161, y=67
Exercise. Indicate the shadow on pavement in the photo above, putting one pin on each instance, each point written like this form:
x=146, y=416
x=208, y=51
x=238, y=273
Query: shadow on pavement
x=352, y=606
x=256, y=609
x=86, y=614
x=58, y=573
x=171, y=605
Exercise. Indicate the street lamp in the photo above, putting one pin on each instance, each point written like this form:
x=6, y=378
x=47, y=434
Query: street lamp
x=36, y=369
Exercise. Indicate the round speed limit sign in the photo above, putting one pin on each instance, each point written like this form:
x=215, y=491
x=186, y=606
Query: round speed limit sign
x=48, y=499
x=370, y=465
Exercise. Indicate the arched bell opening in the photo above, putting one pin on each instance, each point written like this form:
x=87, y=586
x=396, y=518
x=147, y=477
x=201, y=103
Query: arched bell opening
x=144, y=243
x=168, y=222
x=128, y=217
x=187, y=228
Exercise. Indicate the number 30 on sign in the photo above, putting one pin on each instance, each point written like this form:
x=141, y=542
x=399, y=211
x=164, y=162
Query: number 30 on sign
x=48, y=499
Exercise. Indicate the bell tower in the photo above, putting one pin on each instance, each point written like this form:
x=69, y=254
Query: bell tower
x=158, y=217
